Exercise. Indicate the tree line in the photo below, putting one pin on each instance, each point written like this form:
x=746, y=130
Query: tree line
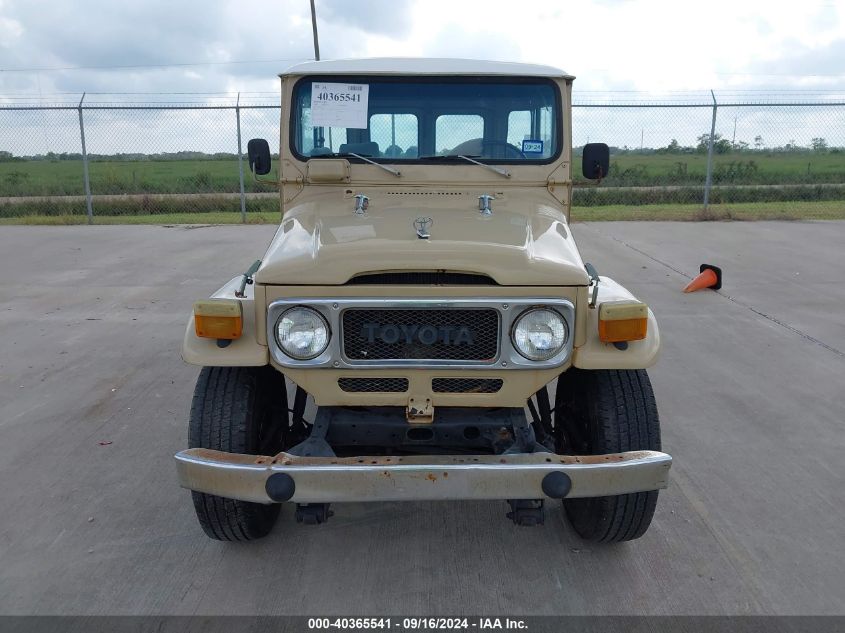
x=8, y=157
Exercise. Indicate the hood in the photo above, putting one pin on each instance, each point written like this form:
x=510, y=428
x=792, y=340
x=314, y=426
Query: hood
x=323, y=242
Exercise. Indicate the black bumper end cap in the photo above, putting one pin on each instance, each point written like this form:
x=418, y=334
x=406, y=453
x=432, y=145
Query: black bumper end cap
x=280, y=487
x=557, y=485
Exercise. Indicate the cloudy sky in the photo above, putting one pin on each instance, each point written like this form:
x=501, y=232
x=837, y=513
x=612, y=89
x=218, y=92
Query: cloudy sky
x=51, y=46
x=52, y=50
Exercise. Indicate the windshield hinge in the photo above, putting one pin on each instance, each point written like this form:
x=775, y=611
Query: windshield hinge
x=291, y=186
x=559, y=184
x=560, y=175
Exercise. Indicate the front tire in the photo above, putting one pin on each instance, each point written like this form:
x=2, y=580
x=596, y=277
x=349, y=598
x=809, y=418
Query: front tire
x=238, y=410
x=607, y=411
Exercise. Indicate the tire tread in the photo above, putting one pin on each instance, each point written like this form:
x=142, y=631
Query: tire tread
x=225, y=408
x=621, y=414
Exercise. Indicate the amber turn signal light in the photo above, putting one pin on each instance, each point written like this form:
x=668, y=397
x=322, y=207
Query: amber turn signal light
x=218, y=318
x=621, y=321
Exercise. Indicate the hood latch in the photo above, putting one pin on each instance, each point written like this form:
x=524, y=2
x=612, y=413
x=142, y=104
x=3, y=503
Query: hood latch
x=484, y=204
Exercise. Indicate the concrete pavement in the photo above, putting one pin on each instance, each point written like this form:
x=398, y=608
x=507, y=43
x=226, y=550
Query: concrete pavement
x=94, y=401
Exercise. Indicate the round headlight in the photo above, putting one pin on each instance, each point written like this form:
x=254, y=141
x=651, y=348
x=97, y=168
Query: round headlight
x=302, y=333
x=539, y=333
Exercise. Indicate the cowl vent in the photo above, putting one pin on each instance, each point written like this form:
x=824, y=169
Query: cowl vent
x=424, y=193
x=427, y=278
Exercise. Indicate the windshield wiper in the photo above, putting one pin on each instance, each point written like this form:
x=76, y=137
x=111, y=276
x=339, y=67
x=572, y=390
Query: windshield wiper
x=469, y=159
x=362, y=157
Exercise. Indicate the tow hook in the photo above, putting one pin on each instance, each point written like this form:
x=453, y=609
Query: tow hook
x=313, y=513
x=419, y=411
x=527, y=512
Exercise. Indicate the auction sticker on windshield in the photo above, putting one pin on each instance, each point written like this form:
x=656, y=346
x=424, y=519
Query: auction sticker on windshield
x=339, y=105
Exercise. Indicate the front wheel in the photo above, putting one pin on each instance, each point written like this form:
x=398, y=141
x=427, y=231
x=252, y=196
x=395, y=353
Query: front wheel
x=607, y=411
x=238, y=410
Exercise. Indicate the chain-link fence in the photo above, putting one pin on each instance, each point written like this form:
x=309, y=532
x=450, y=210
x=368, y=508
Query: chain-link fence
x=103, y=155
x=730, y=150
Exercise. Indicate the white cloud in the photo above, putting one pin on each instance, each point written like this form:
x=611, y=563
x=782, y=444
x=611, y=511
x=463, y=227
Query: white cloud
x=654, y=45
x=10, y=30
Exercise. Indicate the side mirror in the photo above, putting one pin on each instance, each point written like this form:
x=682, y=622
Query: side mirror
x=259, y=156
x=595, y=161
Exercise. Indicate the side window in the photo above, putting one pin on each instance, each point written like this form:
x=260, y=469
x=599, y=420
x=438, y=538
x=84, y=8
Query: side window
x=452, y=131
x=320, y=139
x=546, y=131
x=305, y=131
x=519, y=127
x=396, y=134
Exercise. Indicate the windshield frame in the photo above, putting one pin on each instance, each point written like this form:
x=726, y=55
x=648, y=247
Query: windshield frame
x=558, y=120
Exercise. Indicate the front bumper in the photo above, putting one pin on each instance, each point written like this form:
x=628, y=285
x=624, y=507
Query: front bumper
x=288, y=477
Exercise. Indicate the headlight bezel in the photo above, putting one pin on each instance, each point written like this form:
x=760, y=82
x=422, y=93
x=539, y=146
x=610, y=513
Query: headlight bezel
x=557, y=350
x=301, y=357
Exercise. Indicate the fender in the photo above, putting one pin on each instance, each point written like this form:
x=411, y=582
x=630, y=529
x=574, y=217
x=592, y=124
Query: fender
x=242, y=352
x=594, y=354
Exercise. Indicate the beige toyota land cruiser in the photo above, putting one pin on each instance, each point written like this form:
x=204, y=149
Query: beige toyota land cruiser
x=425, y=290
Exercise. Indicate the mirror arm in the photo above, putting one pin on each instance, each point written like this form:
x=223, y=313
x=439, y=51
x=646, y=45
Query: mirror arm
x=273, y=183
x=584, y=184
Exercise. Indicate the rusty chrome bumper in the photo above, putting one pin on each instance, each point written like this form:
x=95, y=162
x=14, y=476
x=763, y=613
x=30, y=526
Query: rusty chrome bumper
x=431, y=477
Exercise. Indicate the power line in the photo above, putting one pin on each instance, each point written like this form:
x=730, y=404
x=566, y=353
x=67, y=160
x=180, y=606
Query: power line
x=796, y=75
x=689, y=92
x=174, y=65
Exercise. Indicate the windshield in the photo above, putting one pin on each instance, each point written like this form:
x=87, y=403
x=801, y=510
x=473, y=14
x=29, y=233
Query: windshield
x=394, y=120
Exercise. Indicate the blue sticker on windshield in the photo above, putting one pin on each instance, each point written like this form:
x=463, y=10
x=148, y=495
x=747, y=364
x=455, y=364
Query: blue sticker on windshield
x=532, y=146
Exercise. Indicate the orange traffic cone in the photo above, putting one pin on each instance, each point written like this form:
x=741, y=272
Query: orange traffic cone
x=709, y=277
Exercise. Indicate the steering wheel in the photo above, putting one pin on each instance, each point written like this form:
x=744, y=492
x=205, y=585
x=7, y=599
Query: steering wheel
x=508, y=146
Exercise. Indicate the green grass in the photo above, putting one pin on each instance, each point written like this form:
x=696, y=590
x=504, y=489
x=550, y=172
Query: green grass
x=212, y=217
x=602, y=196
x=144, y=205
x=745, y=168
x=64, y=177
x=649, y=187
x=691, y=213
x=827, y=210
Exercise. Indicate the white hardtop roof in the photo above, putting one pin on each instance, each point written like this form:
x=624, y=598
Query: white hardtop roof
x=422, y=66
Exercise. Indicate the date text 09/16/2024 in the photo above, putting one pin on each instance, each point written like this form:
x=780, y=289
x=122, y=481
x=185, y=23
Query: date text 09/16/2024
x=416, y=624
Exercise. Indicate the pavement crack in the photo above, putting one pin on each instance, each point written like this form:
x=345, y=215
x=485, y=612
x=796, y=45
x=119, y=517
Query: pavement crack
x=740, y=559
x=651, y=257
x=769, y=317
x=804, y=335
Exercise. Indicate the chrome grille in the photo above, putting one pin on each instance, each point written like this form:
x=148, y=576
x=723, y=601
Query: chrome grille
x=460, y=334
x=373, y=385
x=466, y=385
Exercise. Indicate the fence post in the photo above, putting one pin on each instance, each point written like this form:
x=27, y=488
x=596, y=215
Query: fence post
x=85, y=178
x=709, y=182
x=240, y=159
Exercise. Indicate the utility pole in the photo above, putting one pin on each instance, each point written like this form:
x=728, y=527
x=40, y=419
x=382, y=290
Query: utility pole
x=314, y=29
x=709, y=181
x=85, y=177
